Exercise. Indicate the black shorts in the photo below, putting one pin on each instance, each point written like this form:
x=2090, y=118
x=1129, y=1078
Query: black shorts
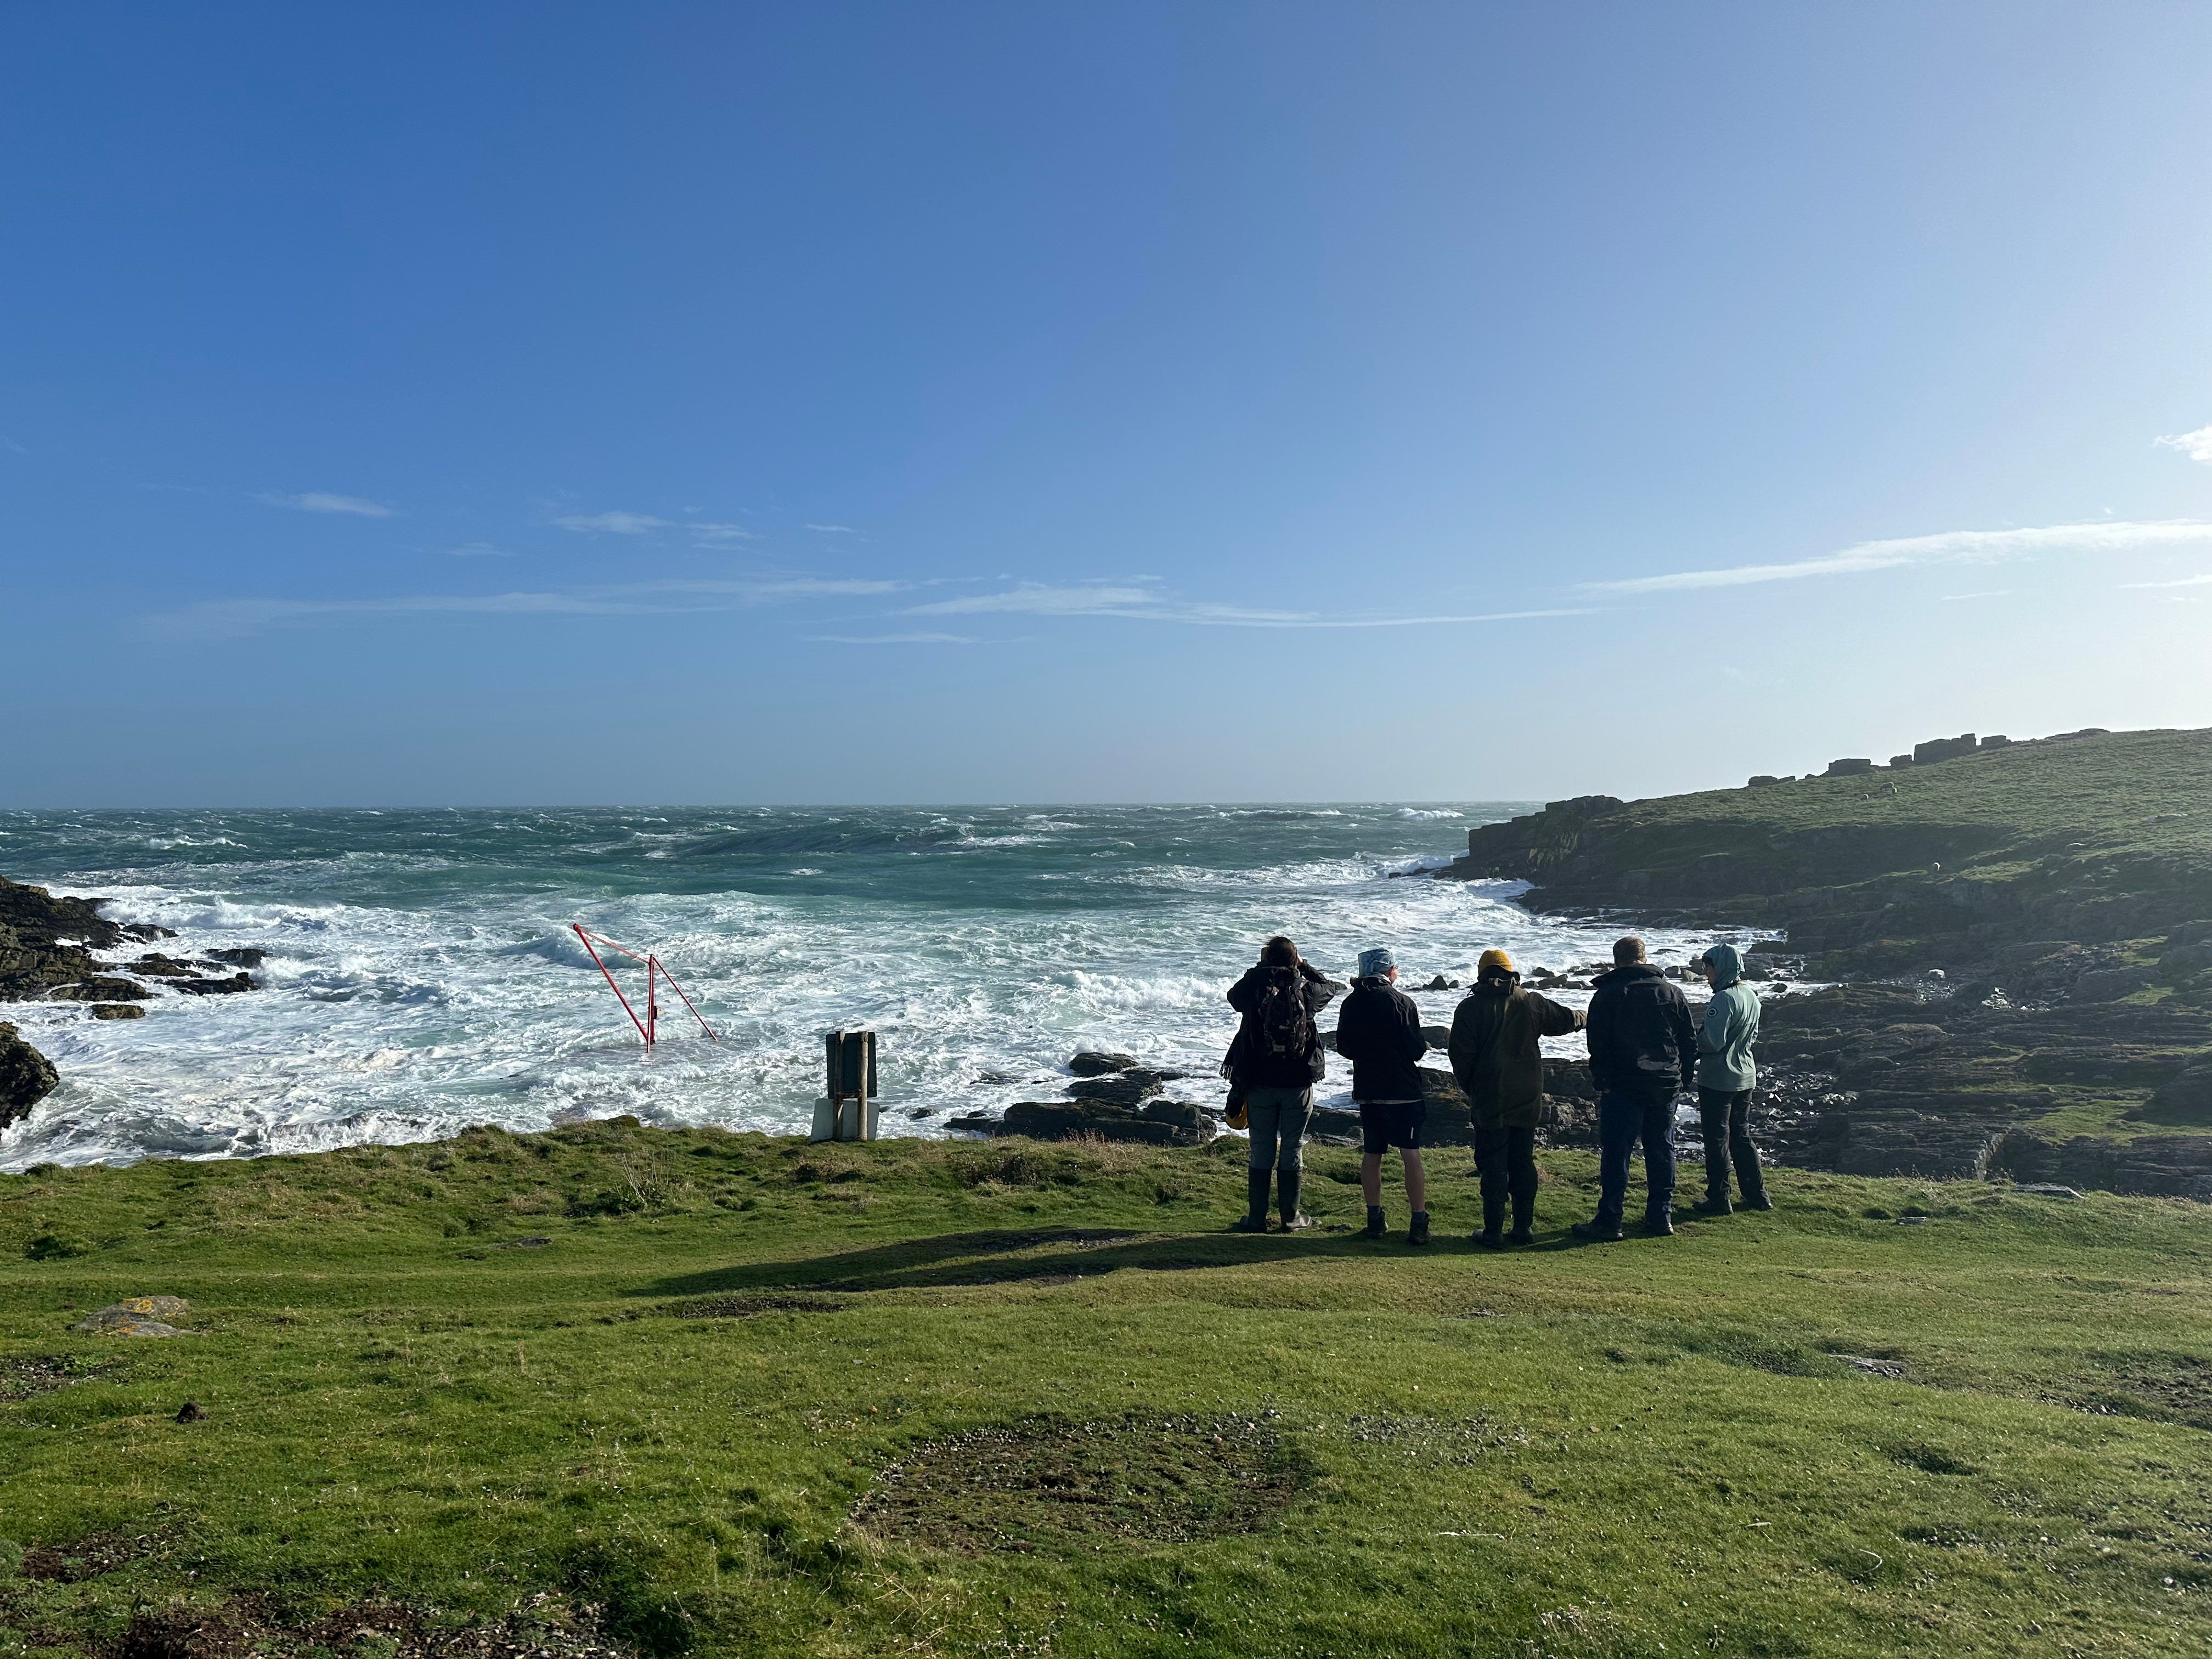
x=1393, y=1123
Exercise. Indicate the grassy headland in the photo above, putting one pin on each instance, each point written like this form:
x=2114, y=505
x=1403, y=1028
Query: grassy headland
x=2030, y=929
x=734, y=1395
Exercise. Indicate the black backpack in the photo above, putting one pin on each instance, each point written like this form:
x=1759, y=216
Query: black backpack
x=1282, y=1025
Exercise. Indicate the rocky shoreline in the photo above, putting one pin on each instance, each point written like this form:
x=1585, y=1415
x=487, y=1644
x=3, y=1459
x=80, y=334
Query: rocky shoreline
x=46, y=945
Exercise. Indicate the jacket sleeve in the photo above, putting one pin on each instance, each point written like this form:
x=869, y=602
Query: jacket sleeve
x=1551, y=1018
x=1321, y=989
x=1685, y=1038
x=1242, y=994
x=1713, y=1033
x=1413, y=1044
x=1460, y=1050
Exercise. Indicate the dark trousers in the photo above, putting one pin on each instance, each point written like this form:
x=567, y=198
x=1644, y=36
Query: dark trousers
x=1626, y=1116
x=1505, y=1157
x=1727, y=1123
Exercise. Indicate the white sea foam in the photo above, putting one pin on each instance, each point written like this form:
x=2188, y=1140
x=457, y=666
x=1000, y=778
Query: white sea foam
x=408, y=994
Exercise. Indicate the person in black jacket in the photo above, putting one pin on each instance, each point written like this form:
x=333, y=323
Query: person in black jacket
x=1643, y=1049
x=1380, y=1033
x=1276, y=1060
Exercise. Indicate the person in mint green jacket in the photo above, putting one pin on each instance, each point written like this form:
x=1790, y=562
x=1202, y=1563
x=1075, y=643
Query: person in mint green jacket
x=1727, y=1074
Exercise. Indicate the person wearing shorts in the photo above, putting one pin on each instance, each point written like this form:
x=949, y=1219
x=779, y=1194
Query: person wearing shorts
x=1380, y=1033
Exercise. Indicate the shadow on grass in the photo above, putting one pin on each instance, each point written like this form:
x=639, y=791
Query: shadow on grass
x=1062, y=1253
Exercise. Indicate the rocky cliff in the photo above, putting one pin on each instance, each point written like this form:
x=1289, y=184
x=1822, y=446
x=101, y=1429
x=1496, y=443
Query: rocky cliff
x=2022, y=932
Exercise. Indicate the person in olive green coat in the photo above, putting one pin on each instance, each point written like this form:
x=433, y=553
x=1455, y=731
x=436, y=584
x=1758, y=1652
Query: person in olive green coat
x=1495, y=1057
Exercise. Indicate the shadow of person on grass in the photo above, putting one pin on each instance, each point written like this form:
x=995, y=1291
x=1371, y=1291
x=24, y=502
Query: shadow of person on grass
x=1007, y=1257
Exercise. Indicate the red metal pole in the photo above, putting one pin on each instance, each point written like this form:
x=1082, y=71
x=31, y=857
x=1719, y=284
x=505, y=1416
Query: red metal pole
x=652, y=1007
x=610, y=978
x=713, y=1035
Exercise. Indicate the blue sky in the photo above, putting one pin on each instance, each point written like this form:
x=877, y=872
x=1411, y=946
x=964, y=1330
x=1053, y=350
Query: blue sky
x=453, y=403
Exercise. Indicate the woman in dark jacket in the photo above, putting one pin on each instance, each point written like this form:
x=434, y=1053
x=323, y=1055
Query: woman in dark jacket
x=1276, y=1060
x=1380, y=1033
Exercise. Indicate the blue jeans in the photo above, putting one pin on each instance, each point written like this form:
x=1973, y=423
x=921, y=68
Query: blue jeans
x=1278, y=1120
x=1624, y=1117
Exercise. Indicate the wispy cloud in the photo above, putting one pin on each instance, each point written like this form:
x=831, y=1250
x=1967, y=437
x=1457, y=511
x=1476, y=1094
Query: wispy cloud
x=236, y=618
x=1982, y=593
x=1151, y=604
x=648, y=523
x=480, y=550
x=835, y=529
x=2196, y=445
x=2185, y=581
x=1951, y=546
x=1042, y=600
x=892, y=639
x=316, y=500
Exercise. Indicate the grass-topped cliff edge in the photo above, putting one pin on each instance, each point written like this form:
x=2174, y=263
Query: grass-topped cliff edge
x=2027, y=932
x=687, y=1391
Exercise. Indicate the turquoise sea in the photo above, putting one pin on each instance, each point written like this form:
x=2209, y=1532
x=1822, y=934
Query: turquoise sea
x=422, y=976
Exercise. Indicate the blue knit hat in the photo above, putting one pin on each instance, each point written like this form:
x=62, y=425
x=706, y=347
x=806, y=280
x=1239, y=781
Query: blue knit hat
x=1373, y=964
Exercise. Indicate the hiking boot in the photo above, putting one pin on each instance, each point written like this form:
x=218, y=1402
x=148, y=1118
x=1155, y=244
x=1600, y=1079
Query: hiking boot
x=1418, y=1233
x=1287, y=1192
x=1521, y=1235
x=1758, y=1200
x=1374, y=1221
x=1491, y=1239
x=1659, y=1224
x=1597, y=1232
x=1254, y=1219
x=1714, y=1204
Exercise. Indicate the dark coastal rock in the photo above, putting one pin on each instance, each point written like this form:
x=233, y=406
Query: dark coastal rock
x=1090, y=1062
x=100, y=987
x=26, y=1077
x=207, y=987
x=1128, y=1088
x=243, y=955
x=146, y=933
x=117, y=1011
x=161, y=967
x=1161, y=1124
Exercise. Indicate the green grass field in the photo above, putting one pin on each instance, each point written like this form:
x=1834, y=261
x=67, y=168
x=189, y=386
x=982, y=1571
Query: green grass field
x=726, y=1394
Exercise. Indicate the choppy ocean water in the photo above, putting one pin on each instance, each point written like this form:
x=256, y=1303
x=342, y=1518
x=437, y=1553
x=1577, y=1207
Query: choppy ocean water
x=422, y=976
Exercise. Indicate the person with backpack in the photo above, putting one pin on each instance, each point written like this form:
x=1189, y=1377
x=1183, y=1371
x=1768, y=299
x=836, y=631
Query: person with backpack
x=1274, y=1064
x=1726, y=1076
x=1643, y=1049
x=1380, y=1033
x=1496, y=1055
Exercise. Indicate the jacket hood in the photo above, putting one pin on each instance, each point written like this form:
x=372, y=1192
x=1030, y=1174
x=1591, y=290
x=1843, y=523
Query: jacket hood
x=1627, y=971
x=1727, y=963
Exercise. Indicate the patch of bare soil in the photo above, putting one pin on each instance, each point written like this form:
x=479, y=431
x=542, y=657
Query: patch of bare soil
x=2172, y=1388
x=1043, y=1481
x=745, y=1305
x=544, y=1627
x=38, y=1374
x=90, y=1556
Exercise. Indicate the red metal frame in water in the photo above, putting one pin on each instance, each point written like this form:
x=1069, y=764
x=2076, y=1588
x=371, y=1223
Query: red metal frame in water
x=653, y=969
